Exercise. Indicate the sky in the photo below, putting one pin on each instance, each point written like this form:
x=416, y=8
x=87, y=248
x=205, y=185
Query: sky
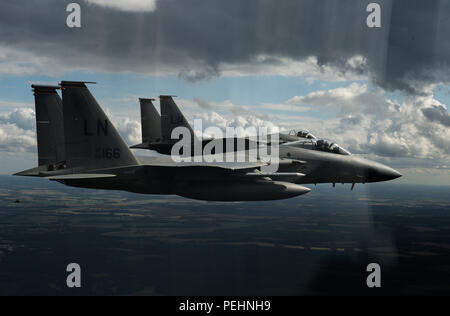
x=297, y=64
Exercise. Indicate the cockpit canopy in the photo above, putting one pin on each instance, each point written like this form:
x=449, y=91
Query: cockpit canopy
x=325, y=145
x=302, y=134
x=320, y=144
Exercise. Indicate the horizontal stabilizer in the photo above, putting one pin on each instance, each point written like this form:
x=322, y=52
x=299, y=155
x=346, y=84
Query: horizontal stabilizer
x=140, y=146
x=34, y=172
x=82, y=176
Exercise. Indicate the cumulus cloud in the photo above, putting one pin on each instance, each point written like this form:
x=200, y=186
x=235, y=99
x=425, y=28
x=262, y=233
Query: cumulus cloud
x=17, y=132
x=128, y=5
x=349, y=100
x=16, y=140
x=23, y=118
x=371, y=123
x=437, y=113
x=130, y=130
x=228, y=106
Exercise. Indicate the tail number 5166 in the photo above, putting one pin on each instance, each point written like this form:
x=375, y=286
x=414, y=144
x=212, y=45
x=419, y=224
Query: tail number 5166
x=107, y=153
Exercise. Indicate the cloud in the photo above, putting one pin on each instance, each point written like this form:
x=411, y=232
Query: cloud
x=437, y=113
x=383, y=144
x=282, y=107
x=16, y=140
x=369, y=122
x=130, y=130
x=14, y=104
x=310, y=68
x=15, y=61
x=23, y=118
x=227, y=106
x=348, y=100
x=128, y=5
x=203, y=104
x=352, y=120
x=17, y=131
x=198, y=40
x=199, y=74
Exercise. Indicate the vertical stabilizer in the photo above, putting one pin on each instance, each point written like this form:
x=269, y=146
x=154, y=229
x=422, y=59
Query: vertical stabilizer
x=91, y=141
x=49, y=125
x=150, y=121
x=171, y=117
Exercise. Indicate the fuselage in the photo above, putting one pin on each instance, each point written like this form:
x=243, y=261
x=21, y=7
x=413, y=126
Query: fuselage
x=326, y=167
x=317, y=167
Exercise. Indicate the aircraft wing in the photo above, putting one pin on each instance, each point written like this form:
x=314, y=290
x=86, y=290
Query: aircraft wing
x=277, y=176
x=165, y=161
x=81, y=176
x=140, y=146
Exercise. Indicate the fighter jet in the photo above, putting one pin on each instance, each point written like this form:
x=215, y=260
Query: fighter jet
x=93, y=155
x=157, y=130
x=321, y=161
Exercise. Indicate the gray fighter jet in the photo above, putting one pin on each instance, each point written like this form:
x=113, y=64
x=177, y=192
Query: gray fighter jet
x=93, y=155
x=321, y=161
x=157, y=130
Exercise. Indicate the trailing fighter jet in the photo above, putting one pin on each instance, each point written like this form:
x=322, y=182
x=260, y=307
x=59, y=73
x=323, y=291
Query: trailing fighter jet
x=321, y=161
x=157, y=130
x=93, y=155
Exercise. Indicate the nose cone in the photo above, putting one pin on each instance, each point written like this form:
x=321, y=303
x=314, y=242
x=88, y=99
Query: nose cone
x=378, y=172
